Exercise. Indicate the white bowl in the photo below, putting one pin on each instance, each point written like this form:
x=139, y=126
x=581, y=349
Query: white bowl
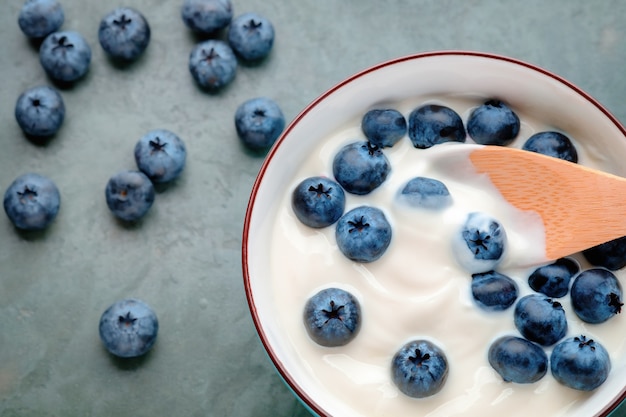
x=533, y=93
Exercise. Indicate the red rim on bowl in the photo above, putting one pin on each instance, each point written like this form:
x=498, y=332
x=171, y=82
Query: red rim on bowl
x=303, y=396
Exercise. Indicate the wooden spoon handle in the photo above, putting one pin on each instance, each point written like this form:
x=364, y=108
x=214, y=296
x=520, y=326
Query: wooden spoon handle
x=580, y=207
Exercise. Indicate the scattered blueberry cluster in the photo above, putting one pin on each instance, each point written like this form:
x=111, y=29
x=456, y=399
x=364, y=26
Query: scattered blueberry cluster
x=129, y=327
x=419, y=368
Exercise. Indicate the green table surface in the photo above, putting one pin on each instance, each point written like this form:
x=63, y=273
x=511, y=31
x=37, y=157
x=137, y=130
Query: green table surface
x=184, y=258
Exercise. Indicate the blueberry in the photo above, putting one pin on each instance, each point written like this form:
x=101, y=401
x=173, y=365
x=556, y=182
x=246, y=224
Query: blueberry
x=518, y=360
x=432, y=124
x=494, y=291
x=32, y=202
x=540, y=319
x=493, y=123
x=332, y=317
x=207, y=16
x=427, y=193
x=39, y=18
x=480, y=243
x=318, y=201
x=128, y=328
x=419, y=369
x=40, y=111
x=383, y=127
x=161, y=155
x=580, y=363
x=124, y=33
x=129, y=195
x=251, y=36
x=363, y=234
x=596, y=295
x=553, y=279
x=212, y=64
x=360, y=167
x=65, y=56
x=611, y=255
x=553, y=144
x=259, y=122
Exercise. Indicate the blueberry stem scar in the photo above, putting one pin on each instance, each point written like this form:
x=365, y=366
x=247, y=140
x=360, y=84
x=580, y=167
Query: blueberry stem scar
x=27, y=193
x=614, y=301
x=157, y=146
x=61, y=43
x=418, y=359
x=584, y=342
x=122, y=22
x=320, y=190
x=127, y=319
x=357, y=225
x=252, y=25
x=210, y=55
x=334, y=312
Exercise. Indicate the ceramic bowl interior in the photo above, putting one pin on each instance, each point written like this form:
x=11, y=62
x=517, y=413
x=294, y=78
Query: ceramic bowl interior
x=527, y=88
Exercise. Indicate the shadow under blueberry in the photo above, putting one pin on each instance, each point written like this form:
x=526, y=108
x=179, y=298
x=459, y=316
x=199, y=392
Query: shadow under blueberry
x=40, y=141
x=130, y=364
x=33, y=235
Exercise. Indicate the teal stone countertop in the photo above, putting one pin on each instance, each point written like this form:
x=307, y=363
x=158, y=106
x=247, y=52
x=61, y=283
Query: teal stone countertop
x=184, y=258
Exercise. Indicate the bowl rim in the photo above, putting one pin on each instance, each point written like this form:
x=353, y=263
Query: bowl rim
x=284, y=373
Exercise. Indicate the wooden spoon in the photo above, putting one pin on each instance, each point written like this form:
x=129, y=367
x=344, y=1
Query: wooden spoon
x=580, y=207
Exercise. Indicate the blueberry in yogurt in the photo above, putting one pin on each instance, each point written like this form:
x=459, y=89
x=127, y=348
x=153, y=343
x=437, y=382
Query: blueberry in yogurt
x=540, y=319
x=493, y=123
x=32, y=201
x=363, y=234
x=610, y=255
x=480, y=243
x=259, y=122
x=251, y=36
x=129, y=195
x=65, y=56
x=332, y=317
x=427, y=193
x=212, y=64
x=433, y=124
x=383, y=127
x=553, y=279
x=40, y=111
x=128, y=328
x=553, y=144
x=518, y=360
x=580, y=363
x=318, y=201
x=161, y=155
x=419, y=369
x=494, y=291
x=360, y=167
x=596, y=295
x=206, y=16
x=124, y=33
x=39, y=18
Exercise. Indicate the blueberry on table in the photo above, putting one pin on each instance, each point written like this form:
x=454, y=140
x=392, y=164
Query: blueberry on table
x=383, y=127
x=259, y=122
x=580, y=363
x=540, y=319
x=494, y=291
x=161, y=155
x=419, y=369
x=332, y=317
x=596, y=295
x=206, y=16
x=518, y=360
x=128, y=328
x=360, y=167
x=40, y=111
x=553, y=144
x=129, y=195
x=433, y=124
x=480, y=243
x=610, y=255
x=212, y=64
x=32, y=202
x=39, y=18
x=363, y=234
x=318, y=201
x=251, y=36
x=553, y=279
x=124, y=33
x=65, y=56
x=427, y=193
x=493, y=123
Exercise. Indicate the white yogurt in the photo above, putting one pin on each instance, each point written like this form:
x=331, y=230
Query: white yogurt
x=417, y=290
